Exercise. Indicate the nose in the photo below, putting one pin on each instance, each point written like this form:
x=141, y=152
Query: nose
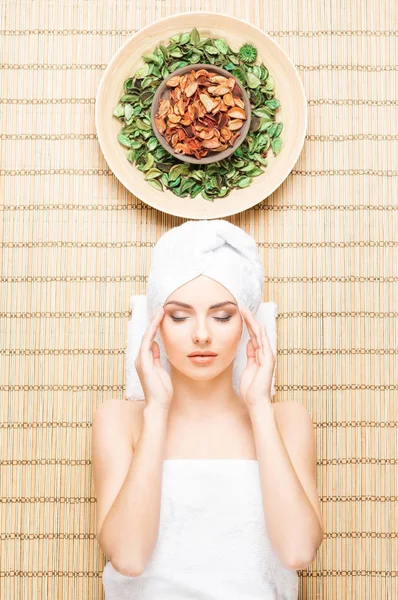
x=201, y=336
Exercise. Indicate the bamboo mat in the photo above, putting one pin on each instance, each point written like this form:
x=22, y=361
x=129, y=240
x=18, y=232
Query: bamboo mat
x=75, y=245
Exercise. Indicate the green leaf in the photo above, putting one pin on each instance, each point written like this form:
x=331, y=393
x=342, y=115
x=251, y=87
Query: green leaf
x=177, y=53
x=261, y=159
x=271, y=130
x=175, y=38
x=269, y=86
x=206, y=196
x=129, y=98
x=136, y=144
x=164, y=178
x=177, y=64
x=187, y=184
x=276, y=145
x=233, y=58
x=223, y=191
x=240, y=75
x=252, y=80
x=149, y=163
x=128, y=111
x=156, y=184
x=262, y=112
x=229, y=66
x=153, y=173
x=196, y=190
x=153, y=70
x=128, y=84
x=146, y=82
x=164, y=51
x=244, y=182
x=185, y=38
x=195, y=58
x=123, y=139
x=256, y=172
x=195, y=37
x=152, y=143
x=221, y=45
x=174, y=183
x=142, y=72
x=211, y=50
x=130, y=155
x=264, y=73
x=178, y=170
x=142, y=125
x=150, y=58
x=278, y=130
x=119, y=111
x=273, y=103
x=265, y=123
x=262, y=141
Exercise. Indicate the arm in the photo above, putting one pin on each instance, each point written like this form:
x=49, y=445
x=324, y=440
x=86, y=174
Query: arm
x=286, y=453
x=128, y=484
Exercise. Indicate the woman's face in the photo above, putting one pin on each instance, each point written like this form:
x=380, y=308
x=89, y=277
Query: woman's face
x=184, y=330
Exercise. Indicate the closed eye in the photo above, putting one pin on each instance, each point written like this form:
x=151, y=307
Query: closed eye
x=217, y=318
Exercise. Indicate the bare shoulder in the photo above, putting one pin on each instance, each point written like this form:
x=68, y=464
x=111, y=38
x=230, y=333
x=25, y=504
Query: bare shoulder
x=124, y=415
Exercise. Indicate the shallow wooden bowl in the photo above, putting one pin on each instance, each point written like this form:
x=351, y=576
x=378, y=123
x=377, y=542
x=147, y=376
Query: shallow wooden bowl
x=289, y=91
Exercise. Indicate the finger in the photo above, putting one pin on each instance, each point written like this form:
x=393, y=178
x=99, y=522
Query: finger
x=253, y=328
x=250, y=352
x=266, y=342
x=244, y=313
x=156, y=353
x=150, y=333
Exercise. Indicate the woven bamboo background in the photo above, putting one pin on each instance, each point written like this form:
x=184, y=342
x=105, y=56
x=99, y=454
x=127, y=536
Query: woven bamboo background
x=75, y=245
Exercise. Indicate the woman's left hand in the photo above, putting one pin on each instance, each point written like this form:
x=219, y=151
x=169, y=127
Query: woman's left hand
x=256, y=379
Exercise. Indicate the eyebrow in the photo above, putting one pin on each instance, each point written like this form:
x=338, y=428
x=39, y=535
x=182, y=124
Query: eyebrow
x=218, y=305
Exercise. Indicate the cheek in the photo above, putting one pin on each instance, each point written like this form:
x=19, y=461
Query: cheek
x=170, y=334
x=230, y=334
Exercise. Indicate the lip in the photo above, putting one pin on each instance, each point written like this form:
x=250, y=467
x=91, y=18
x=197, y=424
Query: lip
x=203, y=359
x=204, y=353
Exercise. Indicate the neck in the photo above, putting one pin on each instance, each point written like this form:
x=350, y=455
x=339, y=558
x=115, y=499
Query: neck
x=194, y=399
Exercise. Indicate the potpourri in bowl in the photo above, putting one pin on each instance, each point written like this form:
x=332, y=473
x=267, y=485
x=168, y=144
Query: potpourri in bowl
x=201, y=114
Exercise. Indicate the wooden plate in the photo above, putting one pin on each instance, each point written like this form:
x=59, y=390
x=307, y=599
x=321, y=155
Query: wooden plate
x=289, y=91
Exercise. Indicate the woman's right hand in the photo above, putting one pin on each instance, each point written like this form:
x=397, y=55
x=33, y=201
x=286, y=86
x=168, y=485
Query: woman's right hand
x=155, y=380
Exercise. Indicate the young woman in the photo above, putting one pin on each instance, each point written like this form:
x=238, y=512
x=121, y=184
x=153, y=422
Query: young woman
x=204, y=492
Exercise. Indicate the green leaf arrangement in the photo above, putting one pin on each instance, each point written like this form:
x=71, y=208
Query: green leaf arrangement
x=164, y=171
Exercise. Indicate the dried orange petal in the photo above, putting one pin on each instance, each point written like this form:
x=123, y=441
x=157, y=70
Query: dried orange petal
x=220, y=79
x=174, y=118
x=239, y=102
x=220, y=90
x=207, y=134
x=226, y=133
x=173, y=81
x=207, y=102
x=235, y=124
x=213, y=143
x=237, y=113
x=191, y=89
